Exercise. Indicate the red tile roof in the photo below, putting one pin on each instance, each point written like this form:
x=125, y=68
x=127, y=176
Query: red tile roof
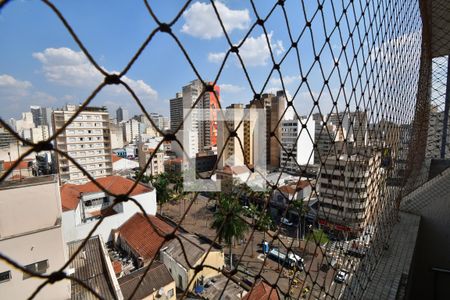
x=141, y=237
x=292, y=188
x=22, y=165
x=115, y=157
x=262, y=291
x=70, y=193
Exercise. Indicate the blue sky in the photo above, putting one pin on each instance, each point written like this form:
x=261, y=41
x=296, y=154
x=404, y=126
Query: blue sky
x=41, y=64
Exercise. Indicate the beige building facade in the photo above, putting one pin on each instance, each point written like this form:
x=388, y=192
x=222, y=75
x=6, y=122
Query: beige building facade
x=31, y=235
x=87, y=139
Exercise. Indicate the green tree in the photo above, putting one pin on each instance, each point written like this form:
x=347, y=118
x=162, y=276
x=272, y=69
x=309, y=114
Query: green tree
x=318, y=236
x=160, y=183
x=228, y=222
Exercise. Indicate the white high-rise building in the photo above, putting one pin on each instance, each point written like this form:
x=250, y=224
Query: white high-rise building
x=87, y=139
x=297, y=139
x=40, y=133
x=131, y=130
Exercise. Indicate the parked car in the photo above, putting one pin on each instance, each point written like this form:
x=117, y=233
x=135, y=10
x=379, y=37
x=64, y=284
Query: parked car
x=341, y=276
x=286, y=222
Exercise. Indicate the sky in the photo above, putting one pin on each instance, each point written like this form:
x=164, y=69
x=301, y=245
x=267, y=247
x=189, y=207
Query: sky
x=40, y=64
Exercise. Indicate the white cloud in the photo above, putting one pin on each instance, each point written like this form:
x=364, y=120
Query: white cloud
x=7, y=81
x=201, y=20
x=67, y=67
x=254, y=51
x=286, y=79
x=230, y=88
x=216, y=57
x=17, y=95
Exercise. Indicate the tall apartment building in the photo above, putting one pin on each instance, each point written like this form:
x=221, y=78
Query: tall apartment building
x=232, y=154
x=202, y=132
x=176, y=111
x=116, y=134
x=87, y=140
x=131, y=130
x=31, y=235
x=42, y=116
x=324, y=138
x=160, y=121
x=297, y=139
x=350, y=186
x=39, y=133
x=121, y=114
x=275, y=105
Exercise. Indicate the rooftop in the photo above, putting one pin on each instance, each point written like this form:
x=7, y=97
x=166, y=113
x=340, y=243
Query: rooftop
x=157, y=277
x=91, y=267
x=71, y=193
x=262, y=291
x=194, y=249
x=25, y=181
x=294, y=187
x=142, y=237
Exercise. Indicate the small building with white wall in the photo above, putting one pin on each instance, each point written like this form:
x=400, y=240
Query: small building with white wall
x=83, y=205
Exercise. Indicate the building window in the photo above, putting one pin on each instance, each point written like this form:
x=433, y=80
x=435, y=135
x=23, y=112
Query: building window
x=170, y=293
x=38, y=267
x=5, y=276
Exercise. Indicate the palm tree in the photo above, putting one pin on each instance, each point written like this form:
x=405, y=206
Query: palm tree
x=298, y=205
x=228, y=222
x=160, y=183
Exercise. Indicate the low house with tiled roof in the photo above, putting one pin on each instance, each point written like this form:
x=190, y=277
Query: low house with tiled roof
x=198, y=251
x=157, y=283
x=262, y=291
x=84, y=204
x=22, y=170
x=140, y=239
x=291, y=191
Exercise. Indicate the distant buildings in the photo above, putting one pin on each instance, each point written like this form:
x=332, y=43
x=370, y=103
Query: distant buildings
x=121, y=115
x=230, y=147
x=275, y=105
x=297, y=140
x=31, y=234
x=131, y=130
x=435, y=132
x=176, y=111
x=156, y=165
x=87, y=140
x=200, y=127
x=83, y=204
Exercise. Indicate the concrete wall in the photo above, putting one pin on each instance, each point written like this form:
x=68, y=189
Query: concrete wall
x=35, y=205
x=214, y=258
x=178, y=272
x=74, y=229
x=32, y=248
x=432, y=251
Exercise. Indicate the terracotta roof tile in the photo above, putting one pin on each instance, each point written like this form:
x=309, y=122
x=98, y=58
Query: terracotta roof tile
x=70, y=193
x=262, y=291
x=22, y=165
x=115, y=157
x=142, y=237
